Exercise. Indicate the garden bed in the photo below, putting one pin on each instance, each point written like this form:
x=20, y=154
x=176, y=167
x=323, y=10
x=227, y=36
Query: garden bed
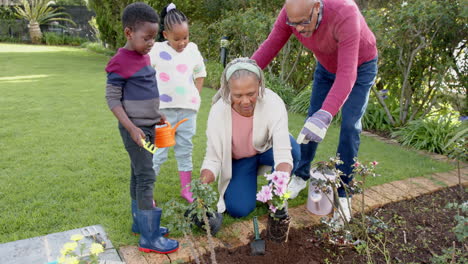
x=417, y=230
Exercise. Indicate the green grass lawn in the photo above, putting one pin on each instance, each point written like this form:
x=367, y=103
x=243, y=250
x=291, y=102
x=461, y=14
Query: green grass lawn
x=63, y=165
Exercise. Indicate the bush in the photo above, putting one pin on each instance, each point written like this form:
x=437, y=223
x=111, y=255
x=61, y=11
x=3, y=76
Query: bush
x=73, y=40
x=431, y=134
x=52, y=38
x=376, y=119
x=98, y=48
x=10, y=39
x=301, y=102
x=214, y=70
x=284, y=90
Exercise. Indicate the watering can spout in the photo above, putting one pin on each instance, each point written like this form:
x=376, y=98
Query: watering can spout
x=177, y=125
x=165, y=135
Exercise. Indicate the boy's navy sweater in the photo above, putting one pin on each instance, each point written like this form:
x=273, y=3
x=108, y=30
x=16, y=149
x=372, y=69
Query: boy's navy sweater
x=131, y=83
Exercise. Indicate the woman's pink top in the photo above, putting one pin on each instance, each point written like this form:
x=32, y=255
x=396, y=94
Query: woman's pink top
x=341, y=43
x=242, y=144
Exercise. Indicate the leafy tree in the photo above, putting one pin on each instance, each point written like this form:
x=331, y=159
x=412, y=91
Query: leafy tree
x=420, y=43
x=39, y=12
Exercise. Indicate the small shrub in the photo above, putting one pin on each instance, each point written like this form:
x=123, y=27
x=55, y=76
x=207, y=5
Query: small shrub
x=98, y=48
x=376, y=118
x=10, y=39
x=431, y=134
x=73, y=40
x=301, y=102
x=214, y=70
x=283, y=89
x=52, y=38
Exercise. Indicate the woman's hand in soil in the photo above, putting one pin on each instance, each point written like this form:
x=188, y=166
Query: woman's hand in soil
x=207, y=176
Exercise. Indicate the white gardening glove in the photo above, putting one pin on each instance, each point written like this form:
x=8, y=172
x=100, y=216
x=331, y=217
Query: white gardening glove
x=315, y=127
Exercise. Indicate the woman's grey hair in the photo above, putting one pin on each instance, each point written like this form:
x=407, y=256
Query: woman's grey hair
x=225, y=91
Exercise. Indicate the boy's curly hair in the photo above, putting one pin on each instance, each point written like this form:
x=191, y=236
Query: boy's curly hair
x=138, y=13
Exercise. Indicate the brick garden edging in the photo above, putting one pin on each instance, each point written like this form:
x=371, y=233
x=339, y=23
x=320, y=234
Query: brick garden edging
x=240, y=233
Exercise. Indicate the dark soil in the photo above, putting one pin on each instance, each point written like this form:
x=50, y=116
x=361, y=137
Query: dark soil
x=416, y=231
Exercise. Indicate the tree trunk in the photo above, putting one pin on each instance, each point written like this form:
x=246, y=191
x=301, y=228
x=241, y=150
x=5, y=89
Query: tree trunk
x=35, y=32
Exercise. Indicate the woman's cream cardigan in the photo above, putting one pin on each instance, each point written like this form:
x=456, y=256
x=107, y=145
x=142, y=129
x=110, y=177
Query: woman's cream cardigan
x=270, y=129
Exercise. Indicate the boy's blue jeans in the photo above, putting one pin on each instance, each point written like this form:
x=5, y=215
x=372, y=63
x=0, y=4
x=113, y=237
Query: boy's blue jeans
x=351, y=114
x=184, y=133
x=142, y=175
x=241, y=194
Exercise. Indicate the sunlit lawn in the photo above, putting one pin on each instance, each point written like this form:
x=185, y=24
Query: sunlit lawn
x=63, y=165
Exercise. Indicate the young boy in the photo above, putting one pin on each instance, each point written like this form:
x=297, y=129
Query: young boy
x=132, y=95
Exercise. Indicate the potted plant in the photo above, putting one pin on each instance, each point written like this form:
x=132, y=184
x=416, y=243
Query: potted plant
x=276, y=194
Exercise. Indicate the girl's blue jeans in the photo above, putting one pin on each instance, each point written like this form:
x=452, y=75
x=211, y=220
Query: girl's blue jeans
x=351, y=114
x=241, y=194
x=183, y=137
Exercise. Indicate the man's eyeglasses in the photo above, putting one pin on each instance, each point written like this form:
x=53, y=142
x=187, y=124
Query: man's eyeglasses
x=303, y=23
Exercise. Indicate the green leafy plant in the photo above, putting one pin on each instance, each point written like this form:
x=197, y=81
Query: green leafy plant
x=300, y=103
x=38, y=12
x=98, y=48
x=69, y=253
x=214, y=70
x=282, y=88
x=182, y=217
x=429, y=134
x=52, y=38
x=454, y=254
x=419, y=58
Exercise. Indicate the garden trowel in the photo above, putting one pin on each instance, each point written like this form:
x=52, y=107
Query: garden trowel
x=257, y=246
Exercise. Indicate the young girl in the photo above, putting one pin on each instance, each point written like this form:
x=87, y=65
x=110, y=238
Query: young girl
x=180, y=72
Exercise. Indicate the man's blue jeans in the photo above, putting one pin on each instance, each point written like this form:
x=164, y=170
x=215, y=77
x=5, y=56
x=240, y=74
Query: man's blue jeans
x=241, y=194
x=351, y=114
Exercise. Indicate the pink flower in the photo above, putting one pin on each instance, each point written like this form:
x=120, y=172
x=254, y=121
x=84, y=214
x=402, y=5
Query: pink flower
x=280, y=189
x=375, y=163
x=272, y=208
x=357, y=164
x=265, y=194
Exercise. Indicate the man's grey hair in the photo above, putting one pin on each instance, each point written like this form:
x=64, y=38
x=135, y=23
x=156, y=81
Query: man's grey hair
x=225, y=91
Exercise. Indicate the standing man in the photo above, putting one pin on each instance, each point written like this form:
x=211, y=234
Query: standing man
x=346, y=53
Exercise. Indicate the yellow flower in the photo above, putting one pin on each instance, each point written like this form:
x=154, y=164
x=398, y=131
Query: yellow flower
x=71, y=260
x=96, y=248
x=76, y=237
x=68, y=260
x=68, y=247
x=287, y=195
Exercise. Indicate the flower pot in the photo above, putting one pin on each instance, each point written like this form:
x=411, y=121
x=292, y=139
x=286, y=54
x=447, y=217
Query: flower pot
x=319, y=202
x=278, y=226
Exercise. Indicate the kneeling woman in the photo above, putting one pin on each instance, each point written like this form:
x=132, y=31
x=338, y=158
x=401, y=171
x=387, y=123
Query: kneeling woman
x=247, y=128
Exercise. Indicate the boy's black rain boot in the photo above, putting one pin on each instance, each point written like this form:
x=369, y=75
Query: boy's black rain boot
x=151, y=239
x=135, y=229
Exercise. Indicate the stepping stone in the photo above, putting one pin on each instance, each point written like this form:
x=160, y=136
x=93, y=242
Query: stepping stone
x=426, y=183
x=406, y=188
x=387, y=190
x=131, y=255
x=377, y=197
x=448, y=178
x=301, y=217
x=45, y=249
x=438, y=157
x=356, y=204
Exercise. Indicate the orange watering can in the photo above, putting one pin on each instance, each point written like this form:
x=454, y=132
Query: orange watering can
x=165, y=135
